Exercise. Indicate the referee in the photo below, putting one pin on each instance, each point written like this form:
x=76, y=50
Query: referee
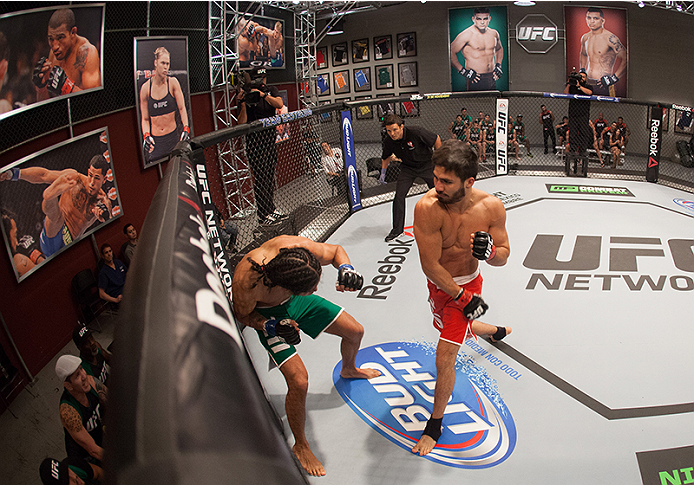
x=413, y=146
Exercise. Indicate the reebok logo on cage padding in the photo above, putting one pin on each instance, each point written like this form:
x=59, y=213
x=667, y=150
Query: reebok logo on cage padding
x=478, y=430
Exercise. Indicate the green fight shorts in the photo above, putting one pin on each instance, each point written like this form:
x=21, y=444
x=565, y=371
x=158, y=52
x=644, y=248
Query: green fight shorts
x=313, y=314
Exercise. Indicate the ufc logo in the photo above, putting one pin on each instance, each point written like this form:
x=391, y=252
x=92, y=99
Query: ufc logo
x=532, y=33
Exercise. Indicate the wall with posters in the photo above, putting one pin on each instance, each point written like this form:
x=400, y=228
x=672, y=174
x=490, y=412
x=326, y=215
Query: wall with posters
x=657, y=43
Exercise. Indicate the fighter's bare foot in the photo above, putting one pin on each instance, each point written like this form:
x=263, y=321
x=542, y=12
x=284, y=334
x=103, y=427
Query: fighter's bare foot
x=424, y=446
x=309, y=461
x=503, y=331
x=355, y=373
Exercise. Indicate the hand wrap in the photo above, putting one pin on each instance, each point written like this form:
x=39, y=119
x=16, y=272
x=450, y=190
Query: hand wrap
x=498, y=72
x=185, y=134
x=382, y=178
x=474, y=307
x=282, y=329
x=148, y=143
x=483, y=246
x=58, y=82
x=469, y=74
x=37, y=78
x=348, y=277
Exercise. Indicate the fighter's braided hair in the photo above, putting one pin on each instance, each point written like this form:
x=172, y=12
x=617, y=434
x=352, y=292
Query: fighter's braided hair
x=295, y=269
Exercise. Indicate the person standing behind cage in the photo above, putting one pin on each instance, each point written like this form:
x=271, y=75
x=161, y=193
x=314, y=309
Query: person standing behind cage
x=547, y=122
x=161, y=97
x=414, y=146
x=260, y=102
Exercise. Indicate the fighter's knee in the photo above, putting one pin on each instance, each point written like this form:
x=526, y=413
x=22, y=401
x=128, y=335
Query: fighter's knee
x=298, y=382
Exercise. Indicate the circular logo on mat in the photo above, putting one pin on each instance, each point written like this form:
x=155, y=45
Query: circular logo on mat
x=687, y=204
x=478, y=430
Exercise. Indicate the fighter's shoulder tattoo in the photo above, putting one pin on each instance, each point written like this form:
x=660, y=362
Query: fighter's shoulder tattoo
x=71, y=418
x=81, y=57
x=616, y=43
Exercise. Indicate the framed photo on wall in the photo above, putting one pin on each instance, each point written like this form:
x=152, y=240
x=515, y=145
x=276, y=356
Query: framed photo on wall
x=74, y=195
x=383, y=47
x=362, y=79
x=612, y=62
x=360, y=50
x=339, y=54
x=322, y=58
x=407, y=44
x=384, y=76
x=364, y=112
x=24, y=48
x=666, y=119
x=384, y=108
x=407, y=74
x=408, y=109
x=268, y=53
x=460, y=23
x=341, y=82
x=161, y=90
x=683, y=122
x=323, y=84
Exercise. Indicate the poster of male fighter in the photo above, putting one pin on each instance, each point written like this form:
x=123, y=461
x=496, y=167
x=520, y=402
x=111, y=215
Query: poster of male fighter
x=162, y=96
x=478, y=48
x=596, y=41
x=260, y=42
x=48, y=53
x=54, y=198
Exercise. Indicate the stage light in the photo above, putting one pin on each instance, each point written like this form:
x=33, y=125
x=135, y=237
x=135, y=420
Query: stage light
x=522, y=3
x=641, y=4
x=338, y=28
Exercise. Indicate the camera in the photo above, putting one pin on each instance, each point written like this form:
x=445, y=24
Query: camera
x=254, y=80
x=575, y=78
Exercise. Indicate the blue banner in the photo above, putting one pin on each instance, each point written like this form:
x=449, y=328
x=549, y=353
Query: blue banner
x=350, y=161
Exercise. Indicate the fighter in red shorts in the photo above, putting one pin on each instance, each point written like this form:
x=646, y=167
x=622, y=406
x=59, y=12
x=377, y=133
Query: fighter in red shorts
x=444, y=219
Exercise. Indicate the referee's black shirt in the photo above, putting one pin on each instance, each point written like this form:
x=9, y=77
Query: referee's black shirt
x=414, y=148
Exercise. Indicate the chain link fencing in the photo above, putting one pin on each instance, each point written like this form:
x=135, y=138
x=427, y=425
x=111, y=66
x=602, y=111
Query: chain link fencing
x=256, y=169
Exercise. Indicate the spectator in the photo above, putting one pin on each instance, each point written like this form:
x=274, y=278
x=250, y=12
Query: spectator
x=128, y=248
x=111, y=276
x=96, y=360
x=72, y=470
x=228, y=231
x=334, y=166
x=81, y=405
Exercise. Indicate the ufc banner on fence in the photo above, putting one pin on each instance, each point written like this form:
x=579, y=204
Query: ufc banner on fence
x=350, y=161
x=502, y=136
x=655, y=139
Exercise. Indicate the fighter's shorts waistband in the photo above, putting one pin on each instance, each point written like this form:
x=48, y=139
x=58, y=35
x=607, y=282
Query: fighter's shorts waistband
x=463, y=280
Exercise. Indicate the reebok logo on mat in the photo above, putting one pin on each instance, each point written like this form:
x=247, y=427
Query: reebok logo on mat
x=478, y=430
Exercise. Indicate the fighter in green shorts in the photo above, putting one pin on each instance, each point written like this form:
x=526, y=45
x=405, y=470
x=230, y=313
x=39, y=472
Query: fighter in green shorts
x=272, y=292
x=312, y=313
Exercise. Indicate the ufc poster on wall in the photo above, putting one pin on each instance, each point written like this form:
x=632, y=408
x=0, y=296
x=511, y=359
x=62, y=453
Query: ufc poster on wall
x=163, y=95
x=260, y=42
x=56, y=197
x=596, y=40
x=49, y=53
x=478, y=49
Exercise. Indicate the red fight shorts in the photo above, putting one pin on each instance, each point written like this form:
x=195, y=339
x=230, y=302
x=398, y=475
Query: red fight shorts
x=448, y=315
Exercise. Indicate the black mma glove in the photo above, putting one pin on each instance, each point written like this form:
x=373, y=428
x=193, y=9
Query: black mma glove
x=474, y=307
x=37, y=78
x=498, y=72
x=469, y=74
x=148, y=143
x=609, y=80
x=483, y=246
x=349, y=278
x=185, y=134
x=58, y=82
x=282, y=329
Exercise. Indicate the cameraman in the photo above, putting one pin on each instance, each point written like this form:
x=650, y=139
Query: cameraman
x=579, y=113
x=258, y=101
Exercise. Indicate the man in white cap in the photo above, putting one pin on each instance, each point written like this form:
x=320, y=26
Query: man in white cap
x=80, y=410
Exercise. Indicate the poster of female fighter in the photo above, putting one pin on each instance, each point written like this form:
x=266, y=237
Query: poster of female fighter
x=162, y=95
x=596, y=41
x=56, y=197
x=48, y=53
